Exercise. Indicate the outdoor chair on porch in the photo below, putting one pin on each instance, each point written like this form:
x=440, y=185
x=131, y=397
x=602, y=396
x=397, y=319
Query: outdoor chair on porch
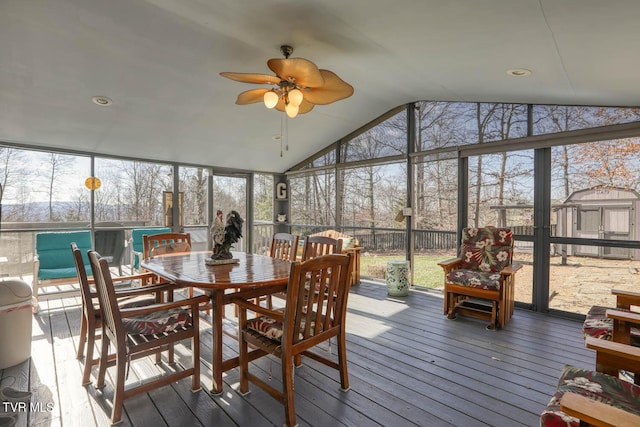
x=618, y=324
x=301, y=325
x=350, y=245
x=53, y=264
x=128, y=297
x=315, y=246
x=597, y=324
x=283, y=246
x=586, y=397
x=141, y=331
x=483, y=271
x=165, y=243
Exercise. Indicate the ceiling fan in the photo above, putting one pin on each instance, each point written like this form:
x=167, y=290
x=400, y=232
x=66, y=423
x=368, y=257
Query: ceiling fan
x=299, y=85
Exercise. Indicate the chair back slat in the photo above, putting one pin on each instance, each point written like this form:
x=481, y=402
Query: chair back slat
x=316, y=297
x=112, y=322
x=85, y=289
x=165, y=243
x=284, y=246
x=315, y=246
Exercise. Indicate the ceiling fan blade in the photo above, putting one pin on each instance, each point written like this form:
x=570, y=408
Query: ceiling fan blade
x=334, y=89
x=251, y=96
x=252, y=78
x=304, y=107
x=304, y=72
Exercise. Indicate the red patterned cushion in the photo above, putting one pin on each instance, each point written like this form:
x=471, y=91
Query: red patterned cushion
x=157, y=322
x=272, y=328
x=598, y=325
x=594, y=385
x=486, y=249
x=267, y=326
x=474, y=279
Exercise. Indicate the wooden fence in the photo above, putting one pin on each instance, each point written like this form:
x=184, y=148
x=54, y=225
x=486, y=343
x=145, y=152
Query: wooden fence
x=397, y=240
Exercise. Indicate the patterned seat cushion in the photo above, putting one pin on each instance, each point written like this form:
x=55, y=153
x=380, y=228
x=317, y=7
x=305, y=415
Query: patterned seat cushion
x=598, y=325
x=271, y=328
x=157, y=322
x=474, y=279
x=594, y=385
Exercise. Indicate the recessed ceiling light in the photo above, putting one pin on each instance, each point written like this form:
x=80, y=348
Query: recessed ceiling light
x=519, y=72
x=102, y=101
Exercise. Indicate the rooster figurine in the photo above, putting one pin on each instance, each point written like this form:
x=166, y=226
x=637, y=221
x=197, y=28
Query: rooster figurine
x=217, y=232
x=231, y=233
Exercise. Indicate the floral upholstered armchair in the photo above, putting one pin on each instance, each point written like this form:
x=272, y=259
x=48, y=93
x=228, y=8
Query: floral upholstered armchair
x=588, y=397
x=619, y=324
x=482, y=271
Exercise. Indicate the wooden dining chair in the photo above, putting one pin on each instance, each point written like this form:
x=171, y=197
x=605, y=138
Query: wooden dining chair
x=91, y=320
x=160, y=244
x=283, y=246
x=165, y=243
x=315, y=246
x=301, y=325
x=141, y=331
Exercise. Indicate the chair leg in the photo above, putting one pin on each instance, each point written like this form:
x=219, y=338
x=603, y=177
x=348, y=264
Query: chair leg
x=494, y=316
x=243, y=355
x=342, y=359
x=287, y=386
x=83, y=336
x=195, y=350
x=118, y=394
x=88, y=361
x=102, y=367
x=452, y=300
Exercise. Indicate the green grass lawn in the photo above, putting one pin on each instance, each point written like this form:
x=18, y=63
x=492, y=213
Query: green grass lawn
x=427, y=273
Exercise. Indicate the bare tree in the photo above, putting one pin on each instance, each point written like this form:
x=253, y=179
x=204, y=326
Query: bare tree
x=58, y=166
x=11, y=161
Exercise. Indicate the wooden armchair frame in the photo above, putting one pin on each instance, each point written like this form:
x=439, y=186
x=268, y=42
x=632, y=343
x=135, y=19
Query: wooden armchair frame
x=501, y=300
x=355, y=250
x=165, y=243
x=284, y=246
x=91, y=319
x=315, y=246
x=130, y=346
x=618, y=322
x=610, y=357
x=305, y=323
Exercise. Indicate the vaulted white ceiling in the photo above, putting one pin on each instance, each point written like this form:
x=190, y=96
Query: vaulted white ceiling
x=159, y=61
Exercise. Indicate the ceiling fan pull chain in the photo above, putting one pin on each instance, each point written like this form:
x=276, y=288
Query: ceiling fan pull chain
x=281, y=132
x=286, y=127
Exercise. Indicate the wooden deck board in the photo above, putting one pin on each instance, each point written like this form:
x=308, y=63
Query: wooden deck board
x=408, y=365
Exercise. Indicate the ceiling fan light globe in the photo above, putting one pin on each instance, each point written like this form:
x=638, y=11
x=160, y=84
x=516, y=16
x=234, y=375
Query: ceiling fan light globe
x=292, y=110
x=295, y=97
x=270, y=99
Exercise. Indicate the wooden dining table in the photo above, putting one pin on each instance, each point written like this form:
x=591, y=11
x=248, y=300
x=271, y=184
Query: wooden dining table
x=252, y=276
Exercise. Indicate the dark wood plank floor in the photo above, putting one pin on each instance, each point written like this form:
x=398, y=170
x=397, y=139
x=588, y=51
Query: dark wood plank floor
x=408, y=365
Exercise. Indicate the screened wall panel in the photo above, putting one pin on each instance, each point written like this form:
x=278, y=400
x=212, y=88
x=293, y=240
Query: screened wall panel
x=313, y=198
x=388, y=138
x=373, y=195
x=561, y=118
